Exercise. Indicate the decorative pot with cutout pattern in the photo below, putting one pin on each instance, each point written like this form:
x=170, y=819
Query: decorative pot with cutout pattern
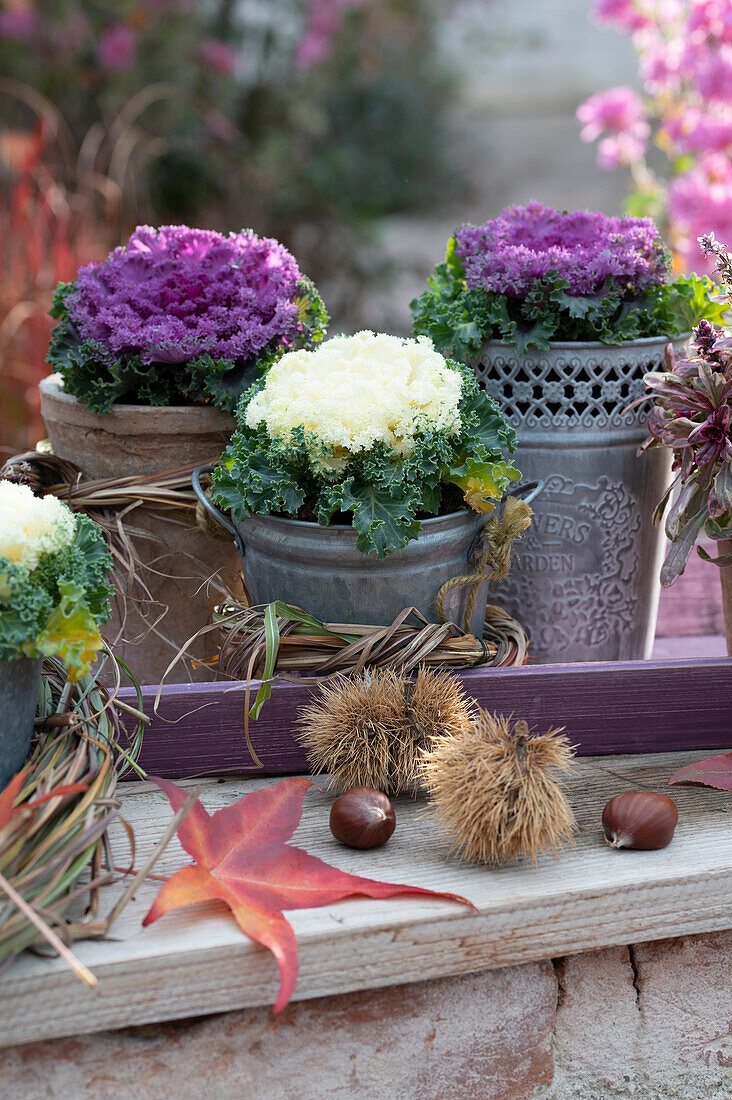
x=585, y=577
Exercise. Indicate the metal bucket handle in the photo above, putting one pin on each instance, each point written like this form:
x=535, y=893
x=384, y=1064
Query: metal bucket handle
x=213, y=511
x=528, y=490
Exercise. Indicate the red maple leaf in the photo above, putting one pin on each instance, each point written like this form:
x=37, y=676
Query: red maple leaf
x=9, y=794
x=715, y=771
x=242, y=859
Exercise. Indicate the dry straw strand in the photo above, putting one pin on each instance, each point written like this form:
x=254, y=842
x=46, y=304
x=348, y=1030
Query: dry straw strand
x=494, y=790
x=370, y=730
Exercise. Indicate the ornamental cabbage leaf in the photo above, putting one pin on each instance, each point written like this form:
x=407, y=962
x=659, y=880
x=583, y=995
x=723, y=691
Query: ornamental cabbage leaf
x=384, y=519
x=25, y=608
x=72, y=631
x=482, y=482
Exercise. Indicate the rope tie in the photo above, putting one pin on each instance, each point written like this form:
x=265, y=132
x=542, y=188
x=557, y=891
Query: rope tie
x=494, y=559
x=206, y=523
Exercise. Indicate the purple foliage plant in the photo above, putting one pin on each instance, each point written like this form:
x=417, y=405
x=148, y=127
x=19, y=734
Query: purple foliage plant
x=535, y=275
x=692, y=415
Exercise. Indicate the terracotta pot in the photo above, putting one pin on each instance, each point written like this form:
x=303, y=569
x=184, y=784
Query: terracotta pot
x=143, y=439
x=131, y=439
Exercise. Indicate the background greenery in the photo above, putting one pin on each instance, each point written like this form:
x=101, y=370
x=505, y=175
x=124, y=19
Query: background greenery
x=308, y=120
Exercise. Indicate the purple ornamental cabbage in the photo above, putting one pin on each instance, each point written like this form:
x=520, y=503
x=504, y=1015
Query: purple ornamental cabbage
x=535, y=275
x=509, y=254
x=181, y=316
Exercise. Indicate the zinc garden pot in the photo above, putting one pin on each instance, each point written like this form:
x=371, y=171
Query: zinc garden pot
x=133, y=440
x=20, y=681
x=321, y=570
x=585, y=577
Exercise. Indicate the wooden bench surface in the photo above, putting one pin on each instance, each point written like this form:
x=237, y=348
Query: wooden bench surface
x=196, y=961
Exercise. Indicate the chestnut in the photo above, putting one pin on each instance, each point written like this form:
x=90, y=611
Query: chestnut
x=362, y=818
x=639, y=819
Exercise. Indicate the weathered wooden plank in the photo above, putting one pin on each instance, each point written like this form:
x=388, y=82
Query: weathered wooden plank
x=615, y=707
x=196, y=961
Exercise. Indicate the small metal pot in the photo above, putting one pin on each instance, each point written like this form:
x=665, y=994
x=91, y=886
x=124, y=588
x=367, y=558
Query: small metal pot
x=319, y=568
x=20, y=681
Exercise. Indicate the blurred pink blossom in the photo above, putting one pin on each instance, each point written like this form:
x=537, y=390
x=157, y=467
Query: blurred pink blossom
x=620, y=151
x=710, y=70
x=660, y=62
x=116, y=47
x=625, y=14
x=711, y=19
x=19, y=22
x=684, y=50
x=219, y=55
x=700, y=202
x=695, y=130
x=616, y=111
x=323, y=20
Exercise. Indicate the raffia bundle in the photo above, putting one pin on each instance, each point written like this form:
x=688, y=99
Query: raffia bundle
x=277, y=641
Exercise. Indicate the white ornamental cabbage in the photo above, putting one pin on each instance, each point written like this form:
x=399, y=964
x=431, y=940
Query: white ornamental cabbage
x=31, y=526
x=370, y=429
x=354, y=391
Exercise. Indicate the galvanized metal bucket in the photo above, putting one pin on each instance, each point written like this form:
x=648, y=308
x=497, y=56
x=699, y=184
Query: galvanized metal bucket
x=19, y=685
x=319, y=568
x=584, y=579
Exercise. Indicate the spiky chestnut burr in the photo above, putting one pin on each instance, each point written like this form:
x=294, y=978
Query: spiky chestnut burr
x=493, y=790
x=369, y=730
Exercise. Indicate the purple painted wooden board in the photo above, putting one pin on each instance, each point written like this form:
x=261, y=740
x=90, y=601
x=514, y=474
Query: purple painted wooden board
x=619, y=707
